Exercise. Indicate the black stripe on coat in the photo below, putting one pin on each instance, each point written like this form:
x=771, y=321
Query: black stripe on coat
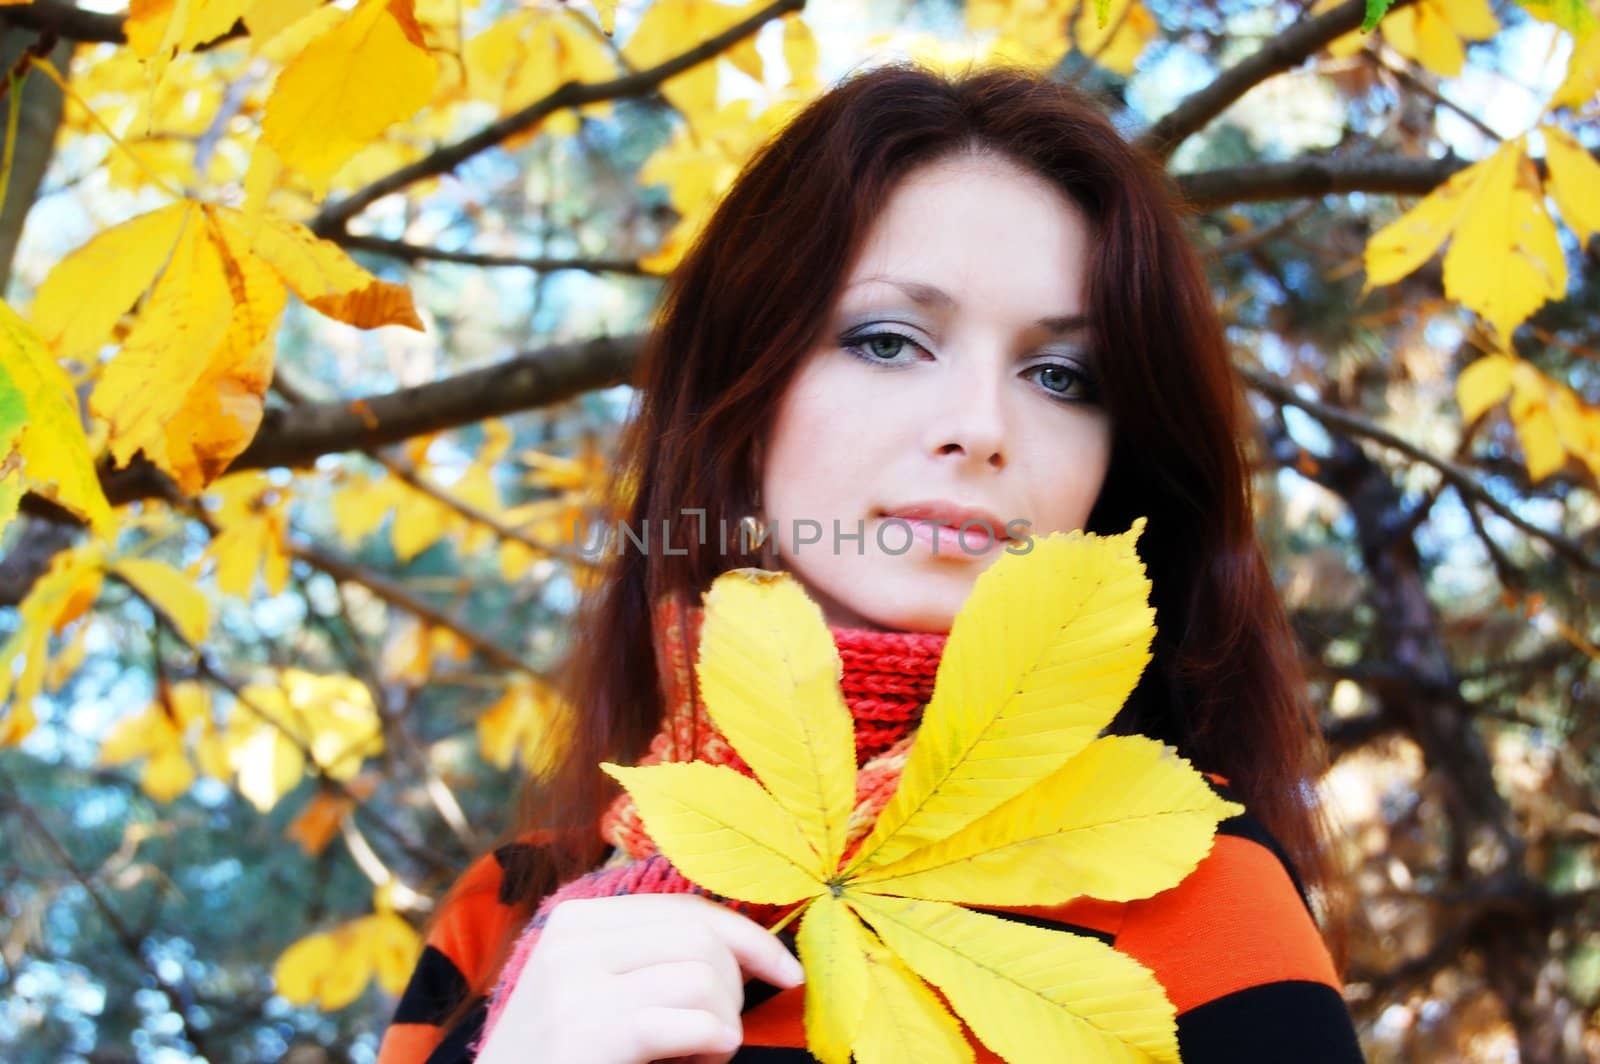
x=453, y=1048
x=1303, y=1021
x=436, y=985
x=516, y=869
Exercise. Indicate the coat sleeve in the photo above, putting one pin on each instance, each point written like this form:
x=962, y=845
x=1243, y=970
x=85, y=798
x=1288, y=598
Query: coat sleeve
x=453, y=963
x=1239, y=952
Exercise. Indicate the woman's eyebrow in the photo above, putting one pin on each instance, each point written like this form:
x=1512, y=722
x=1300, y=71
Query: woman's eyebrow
x=933, y=297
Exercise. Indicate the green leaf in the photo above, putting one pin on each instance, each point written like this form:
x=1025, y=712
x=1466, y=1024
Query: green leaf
x=1376, y=9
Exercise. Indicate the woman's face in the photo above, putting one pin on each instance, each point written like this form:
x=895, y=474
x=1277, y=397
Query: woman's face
x=954, y=370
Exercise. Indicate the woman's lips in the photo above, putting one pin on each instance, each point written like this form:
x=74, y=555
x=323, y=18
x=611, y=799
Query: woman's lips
x=929, y=535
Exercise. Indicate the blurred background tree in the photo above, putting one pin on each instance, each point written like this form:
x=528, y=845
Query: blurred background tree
x=282, y=578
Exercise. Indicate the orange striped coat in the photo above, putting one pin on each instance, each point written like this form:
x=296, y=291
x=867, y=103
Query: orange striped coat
x=1235, y=945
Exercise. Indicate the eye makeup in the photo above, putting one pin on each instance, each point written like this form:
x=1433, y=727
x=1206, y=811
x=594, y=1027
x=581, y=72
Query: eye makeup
x=859, y=344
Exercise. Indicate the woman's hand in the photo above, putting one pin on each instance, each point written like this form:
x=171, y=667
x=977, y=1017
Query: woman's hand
x=637, y=978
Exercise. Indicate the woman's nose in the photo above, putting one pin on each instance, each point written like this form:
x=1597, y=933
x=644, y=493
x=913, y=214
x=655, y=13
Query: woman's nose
x=970, y=421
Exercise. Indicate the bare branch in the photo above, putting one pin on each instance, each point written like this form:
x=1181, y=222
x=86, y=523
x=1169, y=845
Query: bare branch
x=298, y=435
x=396, y=595
x=334, y=217
x=67, y=20
x=178, y=998
x=1464, y=482
x=205, y=667
x=1314, y=176
x=1284, y=52
x=403, y=470
x=414, y=253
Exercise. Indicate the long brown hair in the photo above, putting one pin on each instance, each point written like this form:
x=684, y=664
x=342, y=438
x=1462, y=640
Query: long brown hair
x=748, y=301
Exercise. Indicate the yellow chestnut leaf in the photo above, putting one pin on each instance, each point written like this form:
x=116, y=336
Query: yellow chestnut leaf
x=40, y=427
x=60, y=596
x=346, y=87
x=1485, y=382
x=1008, y=797
x=172, y=592
x=1574, y=179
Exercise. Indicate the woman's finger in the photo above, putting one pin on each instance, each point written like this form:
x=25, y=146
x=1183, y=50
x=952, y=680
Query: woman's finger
x=679, y=985
x=621, y=950
x=667, y=1032
x=756, y=950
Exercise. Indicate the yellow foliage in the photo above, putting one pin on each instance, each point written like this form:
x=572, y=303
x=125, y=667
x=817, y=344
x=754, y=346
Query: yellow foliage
x=156, y=29
x=159, y=734
x=1581, y=86
x=525, y=724
x=1574, y=180
x=419, y=522
x=68, y=660
x=699, y=163
x=10, y=494
x=319, y=272
x=607, y=10
x=1033, y=33
x=186, y=387
x=62, y=594
x=314, y=826
x=527, y=55
x=412, y=648
x=1432, y=32
x=347, y=86
x=1008, y=797
x=1504, y=260
x=42, y=446
x=268, y=18
x=800, y=55
x=117, y=266
x=332, y=968
x=1551, y=421
x=670, y=27
x=275, y=724
x=1118, y=44
x=161, y=109
x=1574, y=16
x=252, y=537
x=360, y=504
x=421, y=518
x=170, y=591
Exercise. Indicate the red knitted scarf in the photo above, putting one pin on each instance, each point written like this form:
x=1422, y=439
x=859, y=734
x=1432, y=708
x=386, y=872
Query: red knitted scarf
x=887, y=680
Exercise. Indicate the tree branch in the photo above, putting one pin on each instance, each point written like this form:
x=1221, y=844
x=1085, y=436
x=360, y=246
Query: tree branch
x=1314, y=176
x=205, y=667
x=1464, y=482
x=414, y=253
x=297, y=435
x=397, y=596
x=68, y=21
x=91, y=27
x=405, y=472
x=334, y=217
x=1284, y=52
x=179, y=998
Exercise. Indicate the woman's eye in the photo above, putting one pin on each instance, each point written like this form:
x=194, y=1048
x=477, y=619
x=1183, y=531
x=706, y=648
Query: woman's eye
x=885, y=348
x=1060, y=380
x=879, y=346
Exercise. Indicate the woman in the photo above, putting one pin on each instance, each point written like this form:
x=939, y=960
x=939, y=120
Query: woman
x=1000, y=318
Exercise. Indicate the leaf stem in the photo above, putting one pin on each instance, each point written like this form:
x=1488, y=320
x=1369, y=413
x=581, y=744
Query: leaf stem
x=50, y=71
x=781, y=924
